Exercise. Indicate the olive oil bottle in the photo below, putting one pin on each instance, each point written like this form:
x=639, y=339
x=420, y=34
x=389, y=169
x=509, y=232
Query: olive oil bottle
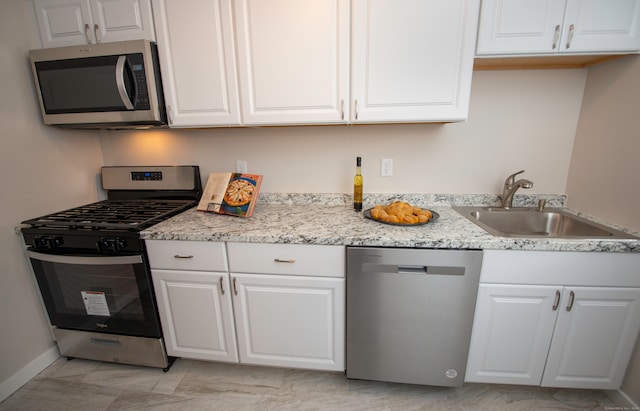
x=357, y=186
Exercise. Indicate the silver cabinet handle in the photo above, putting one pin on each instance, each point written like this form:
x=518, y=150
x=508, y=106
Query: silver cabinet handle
x=571, y=30
x=556, y=303
x=122, y=90
x=572, y=296
x=86, y=33
x=355, y=108
x=182, y=256
x=282, y=260
x=556, y=36
x=222, y=285
x=342, y=109
x=95, y=33
x=235, y=288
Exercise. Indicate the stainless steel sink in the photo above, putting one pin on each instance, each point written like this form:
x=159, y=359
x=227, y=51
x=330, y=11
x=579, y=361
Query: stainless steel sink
x=529, y=222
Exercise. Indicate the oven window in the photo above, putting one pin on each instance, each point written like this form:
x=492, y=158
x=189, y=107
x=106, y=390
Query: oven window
x=96, y=290
x=97, y=293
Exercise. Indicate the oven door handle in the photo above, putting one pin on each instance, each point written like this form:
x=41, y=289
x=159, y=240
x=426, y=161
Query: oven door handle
x=99, y=260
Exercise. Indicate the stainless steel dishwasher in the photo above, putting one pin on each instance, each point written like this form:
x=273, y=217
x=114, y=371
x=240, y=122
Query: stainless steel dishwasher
x=409, y=314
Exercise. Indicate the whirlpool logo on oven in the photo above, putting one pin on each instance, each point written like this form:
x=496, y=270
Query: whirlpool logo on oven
x=101, y=325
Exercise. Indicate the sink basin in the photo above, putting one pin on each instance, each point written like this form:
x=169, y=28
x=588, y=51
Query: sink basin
x=529, y=222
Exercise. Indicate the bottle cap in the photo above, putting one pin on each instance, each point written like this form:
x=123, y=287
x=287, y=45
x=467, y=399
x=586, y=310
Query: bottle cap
x=358, y=161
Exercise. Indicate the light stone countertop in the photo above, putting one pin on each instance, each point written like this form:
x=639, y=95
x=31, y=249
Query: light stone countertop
x=328, y=219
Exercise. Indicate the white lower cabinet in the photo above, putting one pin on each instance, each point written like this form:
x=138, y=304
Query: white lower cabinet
x=282, y=305
x=290, y=321
x=191, y=282
x=289, y=304
x=196, y=314
x=577, y=331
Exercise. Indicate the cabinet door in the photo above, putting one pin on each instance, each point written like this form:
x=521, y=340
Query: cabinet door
x=197, y=62
x=412, y=60
x=64, y=22
x=593, y=25
x=196, y=314
x=594, y=337
x=120, y=20
x=520, y=26
x=293, y=60
x=512, y=331
x=290, y=321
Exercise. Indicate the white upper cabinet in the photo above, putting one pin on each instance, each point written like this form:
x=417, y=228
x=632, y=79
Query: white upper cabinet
x=558, y=26
x=601, y=25
x=293, y=60
x=197, y=61
x=412, y=60
x=75, y=22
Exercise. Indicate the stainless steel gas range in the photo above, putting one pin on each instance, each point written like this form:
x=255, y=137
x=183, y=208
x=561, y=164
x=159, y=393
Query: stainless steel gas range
x=92, y=268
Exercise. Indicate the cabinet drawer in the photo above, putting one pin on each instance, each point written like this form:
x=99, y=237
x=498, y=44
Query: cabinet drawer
x=187, y=255
x=287, y=259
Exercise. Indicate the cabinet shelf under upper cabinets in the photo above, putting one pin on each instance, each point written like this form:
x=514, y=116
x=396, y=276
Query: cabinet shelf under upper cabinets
x=316, y=62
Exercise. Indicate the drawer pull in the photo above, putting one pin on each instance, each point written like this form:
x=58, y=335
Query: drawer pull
x=282, y=260
x=182, y=256
x=235, y=287
x=222, y=285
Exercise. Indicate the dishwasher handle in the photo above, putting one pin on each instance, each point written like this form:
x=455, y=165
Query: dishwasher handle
x=413, y=269
x=430, y=269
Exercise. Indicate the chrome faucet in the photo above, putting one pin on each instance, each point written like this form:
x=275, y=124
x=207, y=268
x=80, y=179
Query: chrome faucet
x=511, y=186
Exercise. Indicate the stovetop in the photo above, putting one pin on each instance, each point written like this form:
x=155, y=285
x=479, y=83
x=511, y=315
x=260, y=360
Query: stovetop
x=129, y=215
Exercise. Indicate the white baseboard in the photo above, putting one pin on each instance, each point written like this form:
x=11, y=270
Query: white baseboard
x=622, y=400
x=17, y=380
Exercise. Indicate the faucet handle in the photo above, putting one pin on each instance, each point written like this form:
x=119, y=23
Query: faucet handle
x=512, y=178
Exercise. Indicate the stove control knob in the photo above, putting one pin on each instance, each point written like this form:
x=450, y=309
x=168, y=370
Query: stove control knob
x=111, y=244
x=47, y=242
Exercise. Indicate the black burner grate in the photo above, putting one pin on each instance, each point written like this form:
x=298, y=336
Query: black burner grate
x=114, y=214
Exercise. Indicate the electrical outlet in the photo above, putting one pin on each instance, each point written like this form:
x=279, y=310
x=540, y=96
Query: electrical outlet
x=241, y=166
x=386, y=167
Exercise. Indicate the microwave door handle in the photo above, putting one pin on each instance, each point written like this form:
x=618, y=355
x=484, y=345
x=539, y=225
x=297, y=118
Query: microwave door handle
x=122, y=90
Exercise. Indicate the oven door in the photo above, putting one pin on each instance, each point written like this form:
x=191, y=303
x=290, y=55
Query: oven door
x=110, y=294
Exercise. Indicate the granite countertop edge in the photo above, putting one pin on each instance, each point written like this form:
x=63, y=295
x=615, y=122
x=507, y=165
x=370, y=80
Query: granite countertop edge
x=329, y=219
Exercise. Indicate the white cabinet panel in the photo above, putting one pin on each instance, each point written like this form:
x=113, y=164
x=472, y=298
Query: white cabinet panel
x=558, y=26
x=75, y=22
x=598, y=25
x=120, y=20
x=290, y=321
x=520, y=26
x=512, y=331
x=293, y=60
x=594, y=337
x=412, y=60
x=196, y=314
x=197, y=61
x=64, y=22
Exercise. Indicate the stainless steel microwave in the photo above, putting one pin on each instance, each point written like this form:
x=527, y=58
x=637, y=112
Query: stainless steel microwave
x=107, y=85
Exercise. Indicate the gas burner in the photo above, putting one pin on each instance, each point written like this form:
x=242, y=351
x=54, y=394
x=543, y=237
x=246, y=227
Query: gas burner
x=133, y=215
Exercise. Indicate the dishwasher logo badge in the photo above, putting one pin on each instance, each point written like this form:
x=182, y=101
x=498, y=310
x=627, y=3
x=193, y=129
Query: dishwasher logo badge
x=451, y=373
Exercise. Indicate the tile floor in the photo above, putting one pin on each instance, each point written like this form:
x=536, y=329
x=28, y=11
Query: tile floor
x=193, y=385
